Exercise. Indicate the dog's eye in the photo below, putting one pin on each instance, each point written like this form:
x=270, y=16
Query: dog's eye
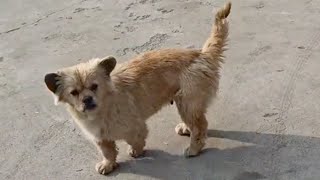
x=94, y=87
x=74, y=92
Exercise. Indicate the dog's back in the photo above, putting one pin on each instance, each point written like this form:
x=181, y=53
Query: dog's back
x=172, y=73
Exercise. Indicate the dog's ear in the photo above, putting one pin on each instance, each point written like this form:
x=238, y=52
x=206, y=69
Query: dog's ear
x=51, y=81
x=108, y=64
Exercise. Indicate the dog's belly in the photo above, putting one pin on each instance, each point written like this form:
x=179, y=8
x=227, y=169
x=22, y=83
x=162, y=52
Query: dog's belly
x=154, y=93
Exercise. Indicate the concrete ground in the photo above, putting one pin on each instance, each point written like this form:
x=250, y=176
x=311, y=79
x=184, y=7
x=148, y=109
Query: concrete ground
x=263, y=125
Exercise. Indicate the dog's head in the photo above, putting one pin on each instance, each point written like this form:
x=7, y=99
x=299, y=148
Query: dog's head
x=83, y=86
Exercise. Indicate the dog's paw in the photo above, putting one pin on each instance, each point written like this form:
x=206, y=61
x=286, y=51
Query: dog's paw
x=188, y=152
x=105, y=167
x=182, y=129
x=135, y=153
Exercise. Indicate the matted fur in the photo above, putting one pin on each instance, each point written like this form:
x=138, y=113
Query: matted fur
x=112, y=102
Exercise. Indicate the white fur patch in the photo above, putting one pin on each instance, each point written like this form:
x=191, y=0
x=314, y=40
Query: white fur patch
x=56, y=100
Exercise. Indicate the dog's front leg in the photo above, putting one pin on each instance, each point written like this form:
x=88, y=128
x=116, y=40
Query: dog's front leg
x=137, y=141
x=109, y=152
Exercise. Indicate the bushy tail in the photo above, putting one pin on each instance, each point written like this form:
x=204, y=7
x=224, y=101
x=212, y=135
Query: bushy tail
x=215, y=44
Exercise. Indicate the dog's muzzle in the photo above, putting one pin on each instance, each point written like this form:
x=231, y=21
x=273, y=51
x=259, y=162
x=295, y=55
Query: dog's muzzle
x=89, y=103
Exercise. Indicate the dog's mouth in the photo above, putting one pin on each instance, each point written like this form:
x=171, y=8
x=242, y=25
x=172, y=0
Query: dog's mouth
x=89, y=107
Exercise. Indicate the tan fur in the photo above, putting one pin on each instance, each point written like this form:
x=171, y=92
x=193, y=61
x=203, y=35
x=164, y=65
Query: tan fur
x=135, y=90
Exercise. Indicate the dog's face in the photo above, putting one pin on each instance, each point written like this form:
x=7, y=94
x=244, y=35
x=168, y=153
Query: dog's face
x=83, y=86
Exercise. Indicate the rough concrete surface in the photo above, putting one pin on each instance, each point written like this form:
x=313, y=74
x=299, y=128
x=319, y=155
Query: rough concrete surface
x=263, y=125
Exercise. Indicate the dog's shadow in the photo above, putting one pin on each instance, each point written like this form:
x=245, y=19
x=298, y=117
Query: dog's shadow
x=261, y=156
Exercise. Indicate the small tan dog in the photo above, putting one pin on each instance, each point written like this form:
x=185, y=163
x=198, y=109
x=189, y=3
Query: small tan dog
x=111, y=102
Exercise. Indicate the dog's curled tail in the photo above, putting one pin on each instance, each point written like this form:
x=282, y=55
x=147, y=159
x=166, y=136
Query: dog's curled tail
x=215, y=44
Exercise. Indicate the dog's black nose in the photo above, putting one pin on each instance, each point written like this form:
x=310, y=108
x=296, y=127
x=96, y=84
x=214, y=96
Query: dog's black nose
x=87, y=100
x=89, y=103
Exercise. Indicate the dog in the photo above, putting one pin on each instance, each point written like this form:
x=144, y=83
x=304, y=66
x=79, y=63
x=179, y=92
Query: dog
x=111, y=102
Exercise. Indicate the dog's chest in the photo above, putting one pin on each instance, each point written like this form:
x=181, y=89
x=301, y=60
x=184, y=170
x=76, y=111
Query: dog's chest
x=97, y=130
x=91, y=130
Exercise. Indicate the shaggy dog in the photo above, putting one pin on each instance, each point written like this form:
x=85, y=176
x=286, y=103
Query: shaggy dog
x=112, y=102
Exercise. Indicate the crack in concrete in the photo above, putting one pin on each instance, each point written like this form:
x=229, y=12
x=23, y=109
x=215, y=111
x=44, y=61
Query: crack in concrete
x=154, y=42
x=40, y=19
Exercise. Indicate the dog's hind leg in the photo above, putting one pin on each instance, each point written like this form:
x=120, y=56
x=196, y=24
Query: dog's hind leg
x=192, y=114
x=182, y=129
